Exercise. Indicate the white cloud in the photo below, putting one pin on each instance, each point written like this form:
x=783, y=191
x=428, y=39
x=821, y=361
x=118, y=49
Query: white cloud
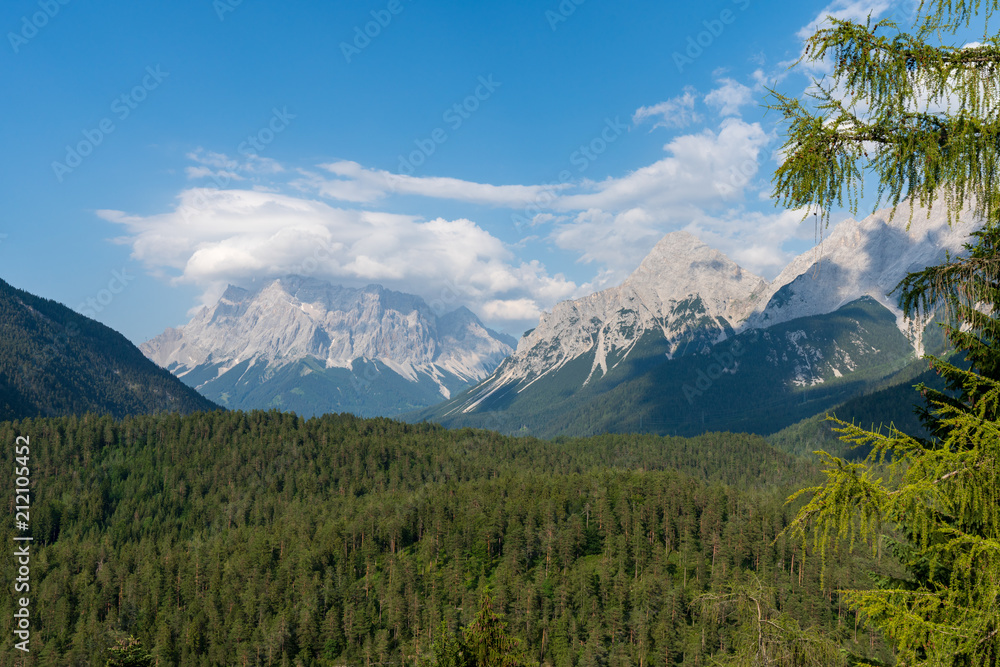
x=729, y=97
x=702, y=170
x=614, y=225
x=215, y=237
x=511, y=309
x=615, y=242
x=675, y=112
x=845, y=10
x=218, y=165
x=753, y=239
x=216, y=174
x=354, y=183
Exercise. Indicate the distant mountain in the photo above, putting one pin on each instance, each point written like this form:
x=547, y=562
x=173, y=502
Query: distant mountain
x=305, y=345
x=758, y=381
x=683, y=292
x=659, y=353
x=861, y=258
x=55, y=362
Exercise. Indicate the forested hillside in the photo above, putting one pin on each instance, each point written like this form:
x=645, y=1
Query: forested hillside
x=54, y=361
x=892, y=405
x=265, y=539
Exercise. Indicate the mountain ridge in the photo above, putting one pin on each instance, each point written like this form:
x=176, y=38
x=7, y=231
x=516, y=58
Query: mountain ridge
x=867, y=257
x=692, y=314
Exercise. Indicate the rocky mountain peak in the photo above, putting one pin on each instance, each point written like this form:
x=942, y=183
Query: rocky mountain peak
x=681, y=265
x=684, y=291
x=867, y=257
x=294, y=318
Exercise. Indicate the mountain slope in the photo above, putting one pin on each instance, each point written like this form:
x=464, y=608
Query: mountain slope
x=892, y=402
x=56, y=362
x=685, y=293
x=311, y=347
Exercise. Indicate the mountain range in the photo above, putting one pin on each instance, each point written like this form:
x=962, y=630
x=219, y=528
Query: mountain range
x=689, y=342
x=301, y=344
x=692, y=342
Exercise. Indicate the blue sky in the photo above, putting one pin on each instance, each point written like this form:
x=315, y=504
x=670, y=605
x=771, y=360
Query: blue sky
x=503, y=156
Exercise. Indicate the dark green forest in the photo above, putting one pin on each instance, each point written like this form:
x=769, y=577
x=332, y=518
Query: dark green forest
x=233, y=538
x=54, y=361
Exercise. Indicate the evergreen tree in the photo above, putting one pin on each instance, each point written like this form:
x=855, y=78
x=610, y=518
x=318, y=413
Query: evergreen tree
x=487, y=641
x=936, y=501
x=765, y=636
x=128, y=652
x=882, y=116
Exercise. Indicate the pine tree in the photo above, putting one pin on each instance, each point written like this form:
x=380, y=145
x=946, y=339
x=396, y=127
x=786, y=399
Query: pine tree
x=765, y=636
x=484, y=643
x=128, y=652
x=935, y=503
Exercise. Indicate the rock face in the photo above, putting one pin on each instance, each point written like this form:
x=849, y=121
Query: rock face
x=861, y=258
x=364, y=338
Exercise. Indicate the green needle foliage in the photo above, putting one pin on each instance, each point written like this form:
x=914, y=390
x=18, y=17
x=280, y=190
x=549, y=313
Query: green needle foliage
x=767, y=637
x=921, y=119
x=128, y=652
x=485, y=643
